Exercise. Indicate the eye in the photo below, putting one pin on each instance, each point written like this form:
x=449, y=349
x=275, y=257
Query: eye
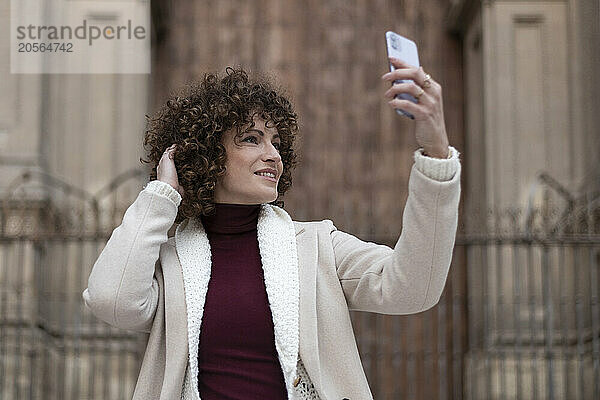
x=276, y=145
x=250, y=137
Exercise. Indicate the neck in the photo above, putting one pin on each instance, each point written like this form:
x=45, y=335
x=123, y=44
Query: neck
x=232, y=218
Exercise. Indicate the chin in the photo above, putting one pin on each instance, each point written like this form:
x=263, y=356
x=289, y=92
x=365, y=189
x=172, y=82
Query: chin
x=270, y=199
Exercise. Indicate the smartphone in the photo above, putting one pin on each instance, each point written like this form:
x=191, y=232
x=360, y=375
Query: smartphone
x=406, y=50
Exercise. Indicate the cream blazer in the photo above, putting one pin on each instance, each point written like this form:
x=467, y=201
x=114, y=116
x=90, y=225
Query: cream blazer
x=314, y=275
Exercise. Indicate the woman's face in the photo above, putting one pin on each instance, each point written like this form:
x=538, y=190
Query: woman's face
x=256, y=150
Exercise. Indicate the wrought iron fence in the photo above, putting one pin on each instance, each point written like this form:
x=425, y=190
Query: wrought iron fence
x=519, y=318
x=520, y=314
x=533, y=305
x=51, y=346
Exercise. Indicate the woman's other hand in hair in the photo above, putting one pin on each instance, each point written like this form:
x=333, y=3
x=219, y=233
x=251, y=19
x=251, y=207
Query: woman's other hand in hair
x=166, y=170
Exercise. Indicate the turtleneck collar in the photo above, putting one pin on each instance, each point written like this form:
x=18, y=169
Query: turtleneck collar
x=232, y=218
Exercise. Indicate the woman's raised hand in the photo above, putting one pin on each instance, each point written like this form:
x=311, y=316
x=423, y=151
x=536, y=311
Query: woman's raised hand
x=166, y=171
x=430, y=129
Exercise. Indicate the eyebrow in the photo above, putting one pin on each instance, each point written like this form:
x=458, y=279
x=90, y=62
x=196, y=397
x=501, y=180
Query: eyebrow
x=261, y=133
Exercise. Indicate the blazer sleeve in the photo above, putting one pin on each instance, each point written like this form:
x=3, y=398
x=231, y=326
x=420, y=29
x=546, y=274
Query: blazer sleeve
x=122, y=289
x=410, y=277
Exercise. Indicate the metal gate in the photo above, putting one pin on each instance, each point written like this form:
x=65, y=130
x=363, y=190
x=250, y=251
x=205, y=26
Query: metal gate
x=51, y=346
x=519, y=318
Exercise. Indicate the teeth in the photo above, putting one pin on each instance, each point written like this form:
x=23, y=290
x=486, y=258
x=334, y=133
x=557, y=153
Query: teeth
x=269, y=174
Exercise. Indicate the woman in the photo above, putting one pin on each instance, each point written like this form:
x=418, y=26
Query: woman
x=272, y=295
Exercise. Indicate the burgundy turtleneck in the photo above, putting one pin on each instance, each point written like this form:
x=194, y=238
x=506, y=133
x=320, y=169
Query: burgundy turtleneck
x=237, y=358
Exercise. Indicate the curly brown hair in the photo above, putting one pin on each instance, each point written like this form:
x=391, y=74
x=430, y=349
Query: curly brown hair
x=195, y=119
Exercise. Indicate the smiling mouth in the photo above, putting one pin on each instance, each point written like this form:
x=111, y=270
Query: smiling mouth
x=267, y=178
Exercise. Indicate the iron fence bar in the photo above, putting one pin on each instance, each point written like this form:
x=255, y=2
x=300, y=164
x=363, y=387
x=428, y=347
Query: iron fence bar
x=491, y=239
x=403, y=358
x=120, y=369
x=486, y=323
x=457, y=355
x=20, y=288
x=397, y=357
x=411, y=361
x=93, y=350
x=516, y=317
x=500, y=317
x=441, y=344
x=3, y=307
x=32, y=323
x=41, y=359
x=44, y=320
x=378, y=351
x=595, y=316
x=579, y=324
x=76, y=304
x=548, y=320
x=54, y=237
x=461, y=240
x=61, y=354
x=562, y=307
x=106, y=370
x=526, y=351
x=427, y=340
x=40, y=255
x=19, y=327
x=471, y=345
x=532, y=330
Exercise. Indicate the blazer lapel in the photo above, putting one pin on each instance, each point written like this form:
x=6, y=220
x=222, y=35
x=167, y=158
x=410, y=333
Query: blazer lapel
x=309, y=343
x=277, y=245
x=193, y=249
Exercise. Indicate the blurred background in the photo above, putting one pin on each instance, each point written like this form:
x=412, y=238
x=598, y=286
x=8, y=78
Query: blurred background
x=520, y=315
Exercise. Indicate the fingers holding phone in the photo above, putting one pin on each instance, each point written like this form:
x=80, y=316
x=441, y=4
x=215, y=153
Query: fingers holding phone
x=400, y=48
x=409, y=83
x=415, y=94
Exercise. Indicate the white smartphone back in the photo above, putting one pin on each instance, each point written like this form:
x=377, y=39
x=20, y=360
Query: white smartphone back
x=406, y=50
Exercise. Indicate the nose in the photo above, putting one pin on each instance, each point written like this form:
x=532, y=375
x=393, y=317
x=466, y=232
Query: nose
x=271, y=153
